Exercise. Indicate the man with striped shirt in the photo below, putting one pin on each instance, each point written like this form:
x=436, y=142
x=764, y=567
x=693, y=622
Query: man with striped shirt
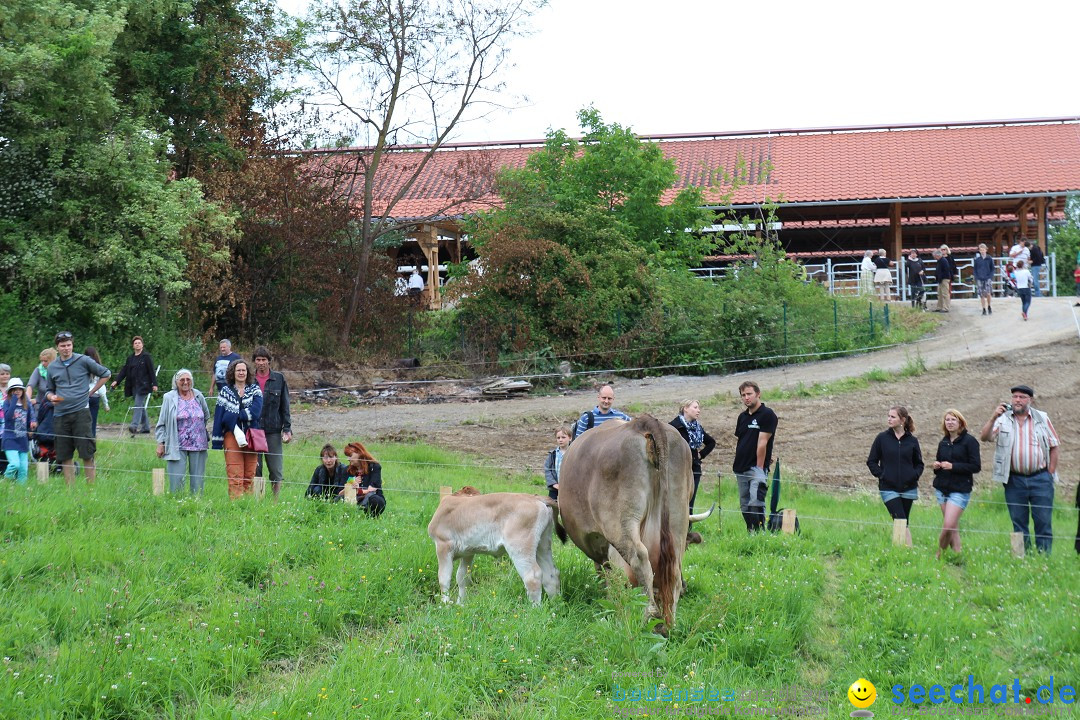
x=1025, y=461
x=603, y=411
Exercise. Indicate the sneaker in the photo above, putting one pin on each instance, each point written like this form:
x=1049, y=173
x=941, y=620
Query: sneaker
x=989, y=310
x=984, y=311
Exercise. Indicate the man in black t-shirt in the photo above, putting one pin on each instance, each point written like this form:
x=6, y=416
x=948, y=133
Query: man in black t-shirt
x=755, y=430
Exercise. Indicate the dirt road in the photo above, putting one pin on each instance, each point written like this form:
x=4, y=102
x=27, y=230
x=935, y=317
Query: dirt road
x=972, y=361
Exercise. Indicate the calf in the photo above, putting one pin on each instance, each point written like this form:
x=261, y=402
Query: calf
x=468, y=523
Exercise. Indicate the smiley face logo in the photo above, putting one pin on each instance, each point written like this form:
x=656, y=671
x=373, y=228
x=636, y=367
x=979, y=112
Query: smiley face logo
x=862, y=693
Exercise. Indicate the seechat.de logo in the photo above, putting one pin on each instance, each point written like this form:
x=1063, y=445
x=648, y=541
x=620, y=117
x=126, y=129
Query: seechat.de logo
x=862, y=695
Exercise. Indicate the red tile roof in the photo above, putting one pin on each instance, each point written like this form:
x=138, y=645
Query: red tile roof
x=810, y=166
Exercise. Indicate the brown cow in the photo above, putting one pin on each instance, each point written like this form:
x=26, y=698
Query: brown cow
x=624, y=491
x=517, y=524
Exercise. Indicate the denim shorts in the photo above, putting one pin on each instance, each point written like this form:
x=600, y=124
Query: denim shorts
x=888, y=495
x=958, y=499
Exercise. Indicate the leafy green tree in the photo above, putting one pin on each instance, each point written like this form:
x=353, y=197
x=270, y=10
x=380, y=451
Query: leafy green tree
x=1065, y=242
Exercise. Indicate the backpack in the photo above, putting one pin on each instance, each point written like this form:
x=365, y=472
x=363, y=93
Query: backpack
x=588, y=425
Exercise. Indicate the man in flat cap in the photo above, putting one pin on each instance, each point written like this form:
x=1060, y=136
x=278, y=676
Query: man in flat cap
x=1025, y=461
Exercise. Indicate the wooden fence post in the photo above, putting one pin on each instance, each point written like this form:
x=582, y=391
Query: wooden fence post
x=158, y=475
x=350, y=493
x=42, y=472
x=1017, y=541
x=788, y=525
x=899, y=532
x=258, y=485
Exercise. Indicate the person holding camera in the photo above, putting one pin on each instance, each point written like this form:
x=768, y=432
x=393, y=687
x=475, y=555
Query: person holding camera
x=1025, y=462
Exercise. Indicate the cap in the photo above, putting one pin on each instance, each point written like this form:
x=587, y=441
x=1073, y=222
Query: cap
x=1023, y=389
x=15, y=383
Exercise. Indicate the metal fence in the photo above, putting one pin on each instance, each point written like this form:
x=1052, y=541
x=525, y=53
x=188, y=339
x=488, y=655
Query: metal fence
x=843, y=278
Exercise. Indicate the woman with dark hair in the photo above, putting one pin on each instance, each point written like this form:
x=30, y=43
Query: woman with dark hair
x=955, y=465
x=328, y=480
x=701, y=444
x=239, y=407
x=101, y=396
x=896, y=461
x=364, y=468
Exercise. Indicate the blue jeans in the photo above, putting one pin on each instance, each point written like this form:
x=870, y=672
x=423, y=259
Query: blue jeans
x=140, y=421
x=1037, y=491
x=1036, y=279
x=1025, y=299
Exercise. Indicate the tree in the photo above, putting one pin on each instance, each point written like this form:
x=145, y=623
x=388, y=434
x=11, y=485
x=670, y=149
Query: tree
x=394, y=73
x=573, y=258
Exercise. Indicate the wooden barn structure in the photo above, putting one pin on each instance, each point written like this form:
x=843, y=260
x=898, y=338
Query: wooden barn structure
x=838, y=190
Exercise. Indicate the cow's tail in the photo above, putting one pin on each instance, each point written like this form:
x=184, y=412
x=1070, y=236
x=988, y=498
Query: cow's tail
x=667, y=566
x=560, y=531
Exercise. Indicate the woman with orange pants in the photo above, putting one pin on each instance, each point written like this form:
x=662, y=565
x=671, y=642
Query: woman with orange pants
x=239, y=407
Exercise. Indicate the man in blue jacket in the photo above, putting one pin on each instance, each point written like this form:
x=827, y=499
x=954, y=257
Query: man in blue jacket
x=984, y=279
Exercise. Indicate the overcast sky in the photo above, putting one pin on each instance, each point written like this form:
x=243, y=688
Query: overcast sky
x=684, y=66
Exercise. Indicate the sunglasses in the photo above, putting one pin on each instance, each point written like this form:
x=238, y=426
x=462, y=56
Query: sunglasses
x=65, y=335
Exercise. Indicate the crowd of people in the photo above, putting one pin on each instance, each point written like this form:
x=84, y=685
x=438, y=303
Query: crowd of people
x=1025, y=461
x=251, y=422
x=1021, y=276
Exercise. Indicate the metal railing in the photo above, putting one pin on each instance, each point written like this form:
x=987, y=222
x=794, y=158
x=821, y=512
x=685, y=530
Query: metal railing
x=846, y=278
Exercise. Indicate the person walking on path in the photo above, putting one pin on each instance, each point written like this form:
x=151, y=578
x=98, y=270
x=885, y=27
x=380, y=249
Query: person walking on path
x=69, y=392
x=896, y=461
x=755, y=430
x=139, y=381
x=983, y=266
x=1025, y=462
x=1038, y=259
x=955, y=466
x=1023, y=287
x=276, y=419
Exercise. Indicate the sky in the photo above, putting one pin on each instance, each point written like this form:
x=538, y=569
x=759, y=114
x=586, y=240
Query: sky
x=687, y=66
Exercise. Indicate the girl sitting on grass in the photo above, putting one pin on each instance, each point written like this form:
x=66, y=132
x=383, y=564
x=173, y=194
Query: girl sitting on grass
x=328, y=480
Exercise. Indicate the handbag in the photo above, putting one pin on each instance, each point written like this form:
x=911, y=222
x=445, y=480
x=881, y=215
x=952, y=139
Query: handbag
x=256, y=439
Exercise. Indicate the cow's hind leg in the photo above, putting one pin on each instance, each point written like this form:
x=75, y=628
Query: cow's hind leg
x=636, y=555
x=524, y=560
x=444, y=553
x=549, y=575
x=463, y=577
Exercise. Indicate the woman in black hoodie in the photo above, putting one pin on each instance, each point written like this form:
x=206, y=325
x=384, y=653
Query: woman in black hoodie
x=956, y=464
x=896, y=461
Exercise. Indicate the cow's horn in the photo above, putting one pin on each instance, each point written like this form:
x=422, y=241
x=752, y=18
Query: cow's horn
x=701, y=516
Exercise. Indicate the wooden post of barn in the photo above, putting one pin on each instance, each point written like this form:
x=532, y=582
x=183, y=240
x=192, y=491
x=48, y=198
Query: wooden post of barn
x=788, y=525
x=444, y=491
x=258, y=485
x=1017, y=540
x=158, y=479
x=42, y=472
x=899, y=532
x=350, y=493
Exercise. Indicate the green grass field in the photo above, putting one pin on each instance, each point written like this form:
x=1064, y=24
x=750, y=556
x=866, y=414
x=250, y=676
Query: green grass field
x=118, y=604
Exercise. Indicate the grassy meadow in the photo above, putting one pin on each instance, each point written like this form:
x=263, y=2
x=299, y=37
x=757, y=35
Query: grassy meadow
x=118, y=604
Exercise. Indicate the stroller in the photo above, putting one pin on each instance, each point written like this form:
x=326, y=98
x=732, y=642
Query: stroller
x=1008, y=280
x=918, y=295
x=43, y=439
